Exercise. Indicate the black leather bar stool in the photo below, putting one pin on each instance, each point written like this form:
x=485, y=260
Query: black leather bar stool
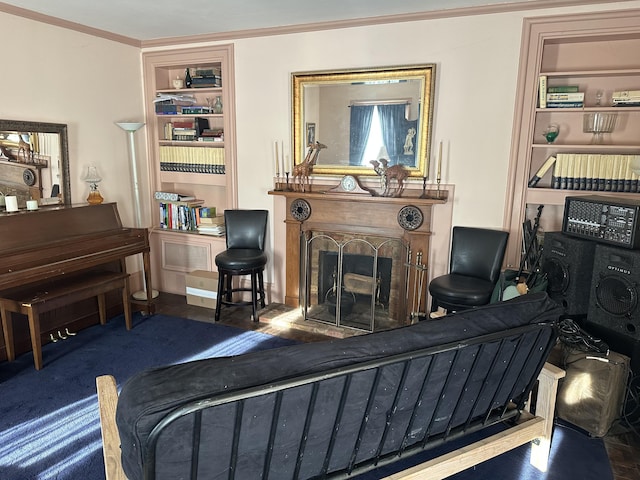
x=246, y=231
x=474, y=269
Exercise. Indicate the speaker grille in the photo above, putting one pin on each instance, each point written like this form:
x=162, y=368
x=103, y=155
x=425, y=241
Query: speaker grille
x=616, y=296
x=557, y=275
x=568, y=264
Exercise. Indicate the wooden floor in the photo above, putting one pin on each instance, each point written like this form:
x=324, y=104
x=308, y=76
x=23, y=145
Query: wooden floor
x=622, y=445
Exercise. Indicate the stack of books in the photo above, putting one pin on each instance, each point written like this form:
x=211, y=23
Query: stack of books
x=169, y=104
x=211, y=225
x=566, y=96
x=626, y=98
x=211, y=135
x=559, y=96
x=205, y=77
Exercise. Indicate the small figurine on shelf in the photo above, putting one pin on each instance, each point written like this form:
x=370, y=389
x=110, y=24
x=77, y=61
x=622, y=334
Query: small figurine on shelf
x=217, y=105
x=187, y=79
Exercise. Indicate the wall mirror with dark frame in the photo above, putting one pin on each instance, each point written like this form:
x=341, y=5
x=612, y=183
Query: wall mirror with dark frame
x=361, y=115
x=34, y=162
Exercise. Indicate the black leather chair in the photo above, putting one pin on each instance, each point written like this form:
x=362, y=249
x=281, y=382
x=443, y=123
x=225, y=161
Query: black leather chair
x=474, y=269
x=246, y=231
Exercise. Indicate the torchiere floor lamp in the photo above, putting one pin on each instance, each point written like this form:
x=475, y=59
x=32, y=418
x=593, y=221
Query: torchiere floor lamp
x=131, y=128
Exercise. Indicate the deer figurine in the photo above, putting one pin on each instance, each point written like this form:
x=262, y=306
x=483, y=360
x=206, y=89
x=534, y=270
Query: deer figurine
x=397, y=172
x=302, y=170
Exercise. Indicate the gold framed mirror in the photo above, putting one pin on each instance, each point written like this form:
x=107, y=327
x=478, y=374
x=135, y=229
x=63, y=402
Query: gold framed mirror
x=34, y=162
x=361, y=115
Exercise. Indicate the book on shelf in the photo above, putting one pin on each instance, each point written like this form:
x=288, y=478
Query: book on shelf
x=626, y=94
x=626, y=98
x=557, y=172
x=595, y=172
x=217, y=231
x=562, y=88
x=561, y=104
x=541, y=171
x=565, y=97
x=542, y=91
x=207, y=212
x=172, y=196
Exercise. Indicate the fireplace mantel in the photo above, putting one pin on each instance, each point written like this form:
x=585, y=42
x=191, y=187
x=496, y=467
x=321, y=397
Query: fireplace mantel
x=356, y=214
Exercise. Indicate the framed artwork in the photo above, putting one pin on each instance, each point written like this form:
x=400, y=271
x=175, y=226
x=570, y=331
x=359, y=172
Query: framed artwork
x=311, y=133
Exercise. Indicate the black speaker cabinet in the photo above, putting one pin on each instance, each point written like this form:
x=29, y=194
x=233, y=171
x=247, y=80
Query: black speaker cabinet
x=614, y=291
x=568, y=263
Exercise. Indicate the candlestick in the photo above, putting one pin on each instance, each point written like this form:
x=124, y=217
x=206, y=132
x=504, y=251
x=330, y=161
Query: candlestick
x=439, y=173
x=277, y=159
x=424, y=188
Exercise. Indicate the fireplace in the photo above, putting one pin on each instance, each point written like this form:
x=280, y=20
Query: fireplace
x=354, y=281
x=359, y=246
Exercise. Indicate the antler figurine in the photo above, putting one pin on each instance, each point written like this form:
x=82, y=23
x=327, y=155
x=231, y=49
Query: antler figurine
x=386, y=173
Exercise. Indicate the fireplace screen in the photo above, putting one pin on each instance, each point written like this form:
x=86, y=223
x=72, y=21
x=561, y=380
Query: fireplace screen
x=355, y=281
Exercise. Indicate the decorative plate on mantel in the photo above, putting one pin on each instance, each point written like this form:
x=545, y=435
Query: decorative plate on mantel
x=300, y=209
x=410, y=217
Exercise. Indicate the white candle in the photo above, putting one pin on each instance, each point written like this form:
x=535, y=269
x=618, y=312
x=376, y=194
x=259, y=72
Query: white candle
x=11, y=203
x=287, y=163
x=277, y=157
x=32, y=204
x=439, y=174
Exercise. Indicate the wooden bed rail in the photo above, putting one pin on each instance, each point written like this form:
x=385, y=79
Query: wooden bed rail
x=531, y=428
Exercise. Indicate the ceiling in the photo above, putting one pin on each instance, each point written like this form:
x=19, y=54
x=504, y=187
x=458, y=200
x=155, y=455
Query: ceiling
x=145, y=20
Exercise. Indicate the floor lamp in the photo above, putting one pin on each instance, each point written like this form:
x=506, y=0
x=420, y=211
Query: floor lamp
x=131, y=128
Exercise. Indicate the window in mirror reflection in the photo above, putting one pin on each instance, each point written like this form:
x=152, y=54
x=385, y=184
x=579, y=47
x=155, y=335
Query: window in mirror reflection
x=382, y=131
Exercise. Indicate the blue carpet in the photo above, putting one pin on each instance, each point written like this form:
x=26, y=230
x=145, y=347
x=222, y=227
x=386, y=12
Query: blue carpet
x=49, y=423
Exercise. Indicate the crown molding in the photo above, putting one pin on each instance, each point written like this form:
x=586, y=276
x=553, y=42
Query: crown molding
x=301, y=28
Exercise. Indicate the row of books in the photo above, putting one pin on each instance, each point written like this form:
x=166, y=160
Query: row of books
x=560, y=96
x=192, y=160
x=179, y=215
x=593, y=172
x=191, y=216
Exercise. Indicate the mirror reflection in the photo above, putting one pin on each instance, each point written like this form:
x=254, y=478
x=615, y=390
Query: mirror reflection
x=34, y=163
x=363, y=116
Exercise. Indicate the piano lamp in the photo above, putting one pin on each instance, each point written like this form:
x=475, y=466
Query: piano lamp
x=131, y=128
x=93, y=178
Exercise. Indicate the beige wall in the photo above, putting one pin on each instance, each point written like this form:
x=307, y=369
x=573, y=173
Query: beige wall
x=56, y=75
x=89, y=83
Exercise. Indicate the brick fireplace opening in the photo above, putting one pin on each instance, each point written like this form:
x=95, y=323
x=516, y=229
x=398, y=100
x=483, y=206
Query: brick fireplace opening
x=355, y=281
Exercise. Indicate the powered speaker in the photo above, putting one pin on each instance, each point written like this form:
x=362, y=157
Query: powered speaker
x=568, y=264
x=613, y=302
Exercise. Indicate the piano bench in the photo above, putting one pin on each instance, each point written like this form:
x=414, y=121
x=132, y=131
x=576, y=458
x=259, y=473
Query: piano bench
x=36, y=299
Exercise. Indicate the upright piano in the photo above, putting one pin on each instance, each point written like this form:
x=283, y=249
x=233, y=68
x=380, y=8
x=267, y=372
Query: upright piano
x=49, y=243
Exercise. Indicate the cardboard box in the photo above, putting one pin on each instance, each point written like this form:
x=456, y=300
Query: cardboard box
x=202, y=288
